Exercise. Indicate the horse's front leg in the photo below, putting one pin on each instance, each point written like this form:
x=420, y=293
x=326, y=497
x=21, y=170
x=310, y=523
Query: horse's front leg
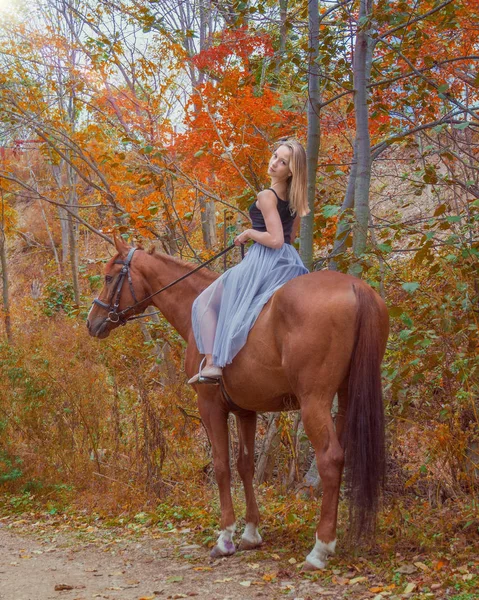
x=246, y=422
x=215, y=419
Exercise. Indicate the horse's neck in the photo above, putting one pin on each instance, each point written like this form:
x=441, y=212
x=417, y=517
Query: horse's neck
x=176, y=302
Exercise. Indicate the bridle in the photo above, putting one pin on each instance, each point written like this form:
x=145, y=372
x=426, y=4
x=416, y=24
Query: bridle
x=116, y=316
x=113, y=315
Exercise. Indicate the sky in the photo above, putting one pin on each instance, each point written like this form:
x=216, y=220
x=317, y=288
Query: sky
x=9, y=6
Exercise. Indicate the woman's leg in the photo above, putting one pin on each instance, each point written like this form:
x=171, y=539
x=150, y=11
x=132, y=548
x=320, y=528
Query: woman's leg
x=207, y=307
x=209, y=303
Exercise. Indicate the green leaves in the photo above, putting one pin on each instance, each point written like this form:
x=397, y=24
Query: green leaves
x=385, y=247
x=329, y=210
x=410, y=287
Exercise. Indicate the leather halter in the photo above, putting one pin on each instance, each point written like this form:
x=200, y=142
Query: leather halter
x=113, y=315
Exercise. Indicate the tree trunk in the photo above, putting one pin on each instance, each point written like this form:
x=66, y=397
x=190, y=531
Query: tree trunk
x=264, y=454
x=312, y=478
x=166, y=368
x=312, y=146
x=207, y=206
x=62, y=214
x=283, y=13
x=361, y=78
x=50, y=237
x=343, y=230
x=208, y=221
x=72, y=231
x=5, y=289
x=297, y=445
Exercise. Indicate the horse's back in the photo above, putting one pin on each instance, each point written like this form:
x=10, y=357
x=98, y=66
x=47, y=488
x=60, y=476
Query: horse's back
x=310, y=296
x=303, y=337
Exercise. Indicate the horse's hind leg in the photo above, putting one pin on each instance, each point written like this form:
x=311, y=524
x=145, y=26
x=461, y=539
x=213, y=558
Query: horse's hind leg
x=319, y=427
x=215, y=419
x=247, y=429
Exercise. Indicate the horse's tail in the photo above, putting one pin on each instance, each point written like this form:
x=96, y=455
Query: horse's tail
x=364, y=439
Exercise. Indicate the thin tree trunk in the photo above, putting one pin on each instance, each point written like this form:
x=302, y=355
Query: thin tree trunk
x=314, y=134
x=50, y=237
x=361, y=78
x=72, y=230
x=5, y=288
x=207, y=206
x=62, y=214
x=312, y=149
x=264, y=453
x=343, y=230
x=283, y=13
x=208, y=221
x=295, y=464
x=312, y=478
x=167, y=369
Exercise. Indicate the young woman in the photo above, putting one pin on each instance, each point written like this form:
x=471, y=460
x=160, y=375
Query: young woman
x=225, y=312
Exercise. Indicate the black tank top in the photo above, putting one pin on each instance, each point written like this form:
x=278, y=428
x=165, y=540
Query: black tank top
x=286, y=217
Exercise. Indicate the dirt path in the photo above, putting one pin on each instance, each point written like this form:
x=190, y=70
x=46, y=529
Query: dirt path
x=39, y=565
x=75, y=557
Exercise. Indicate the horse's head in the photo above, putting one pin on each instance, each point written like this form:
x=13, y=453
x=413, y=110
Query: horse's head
x=124, y=287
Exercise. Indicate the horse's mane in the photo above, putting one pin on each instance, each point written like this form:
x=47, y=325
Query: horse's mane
x=152, y=251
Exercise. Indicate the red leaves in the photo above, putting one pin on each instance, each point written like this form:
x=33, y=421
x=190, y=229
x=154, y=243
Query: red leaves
x=231, y=44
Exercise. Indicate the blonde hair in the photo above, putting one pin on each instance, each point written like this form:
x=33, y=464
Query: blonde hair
x=297, y=183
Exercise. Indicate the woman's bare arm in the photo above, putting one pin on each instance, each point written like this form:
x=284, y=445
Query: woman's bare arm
x=295, y=228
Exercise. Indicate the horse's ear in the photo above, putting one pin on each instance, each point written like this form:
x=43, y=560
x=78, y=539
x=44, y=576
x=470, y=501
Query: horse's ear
x=121, y=247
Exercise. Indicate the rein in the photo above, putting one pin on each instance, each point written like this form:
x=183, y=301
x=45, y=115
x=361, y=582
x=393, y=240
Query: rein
x=114, y=316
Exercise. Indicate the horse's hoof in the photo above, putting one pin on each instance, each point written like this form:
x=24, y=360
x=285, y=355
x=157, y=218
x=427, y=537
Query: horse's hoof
x=307, y=566
x=248, y=545
x=218, y=552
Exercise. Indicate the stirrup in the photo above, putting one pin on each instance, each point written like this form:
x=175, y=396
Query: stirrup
x=210, y=380
x=202, y=379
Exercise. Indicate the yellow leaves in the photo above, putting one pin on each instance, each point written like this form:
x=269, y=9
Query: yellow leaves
x=360, y=579
x=410, y=587
x=382, y=588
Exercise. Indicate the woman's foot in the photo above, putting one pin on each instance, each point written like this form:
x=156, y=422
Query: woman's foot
x=209, y=374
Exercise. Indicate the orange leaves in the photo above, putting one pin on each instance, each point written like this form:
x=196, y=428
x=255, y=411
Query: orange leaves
x=229, y=119
x=236, y=46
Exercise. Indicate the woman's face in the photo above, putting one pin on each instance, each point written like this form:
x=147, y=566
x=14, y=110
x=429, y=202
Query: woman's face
x=279, y=163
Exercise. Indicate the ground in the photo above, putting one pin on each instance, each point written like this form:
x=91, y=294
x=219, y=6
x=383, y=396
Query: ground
x=38, y=565
x=68, y=557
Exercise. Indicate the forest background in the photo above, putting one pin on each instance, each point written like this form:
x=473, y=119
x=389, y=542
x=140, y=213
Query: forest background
x=155, y=121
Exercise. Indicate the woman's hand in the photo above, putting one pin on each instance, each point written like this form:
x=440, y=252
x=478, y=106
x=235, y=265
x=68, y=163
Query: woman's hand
x=243, y=237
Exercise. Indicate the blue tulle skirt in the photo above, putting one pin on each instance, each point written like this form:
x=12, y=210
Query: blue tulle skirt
x=225, y=312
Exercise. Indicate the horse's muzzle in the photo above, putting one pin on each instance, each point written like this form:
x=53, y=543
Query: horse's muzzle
x=98, y=328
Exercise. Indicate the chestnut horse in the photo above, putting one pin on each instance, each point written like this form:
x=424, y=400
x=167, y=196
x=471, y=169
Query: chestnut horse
x=320, y=334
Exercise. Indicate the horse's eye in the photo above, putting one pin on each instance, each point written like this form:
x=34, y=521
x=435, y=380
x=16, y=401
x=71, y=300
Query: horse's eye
x=108, y=278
